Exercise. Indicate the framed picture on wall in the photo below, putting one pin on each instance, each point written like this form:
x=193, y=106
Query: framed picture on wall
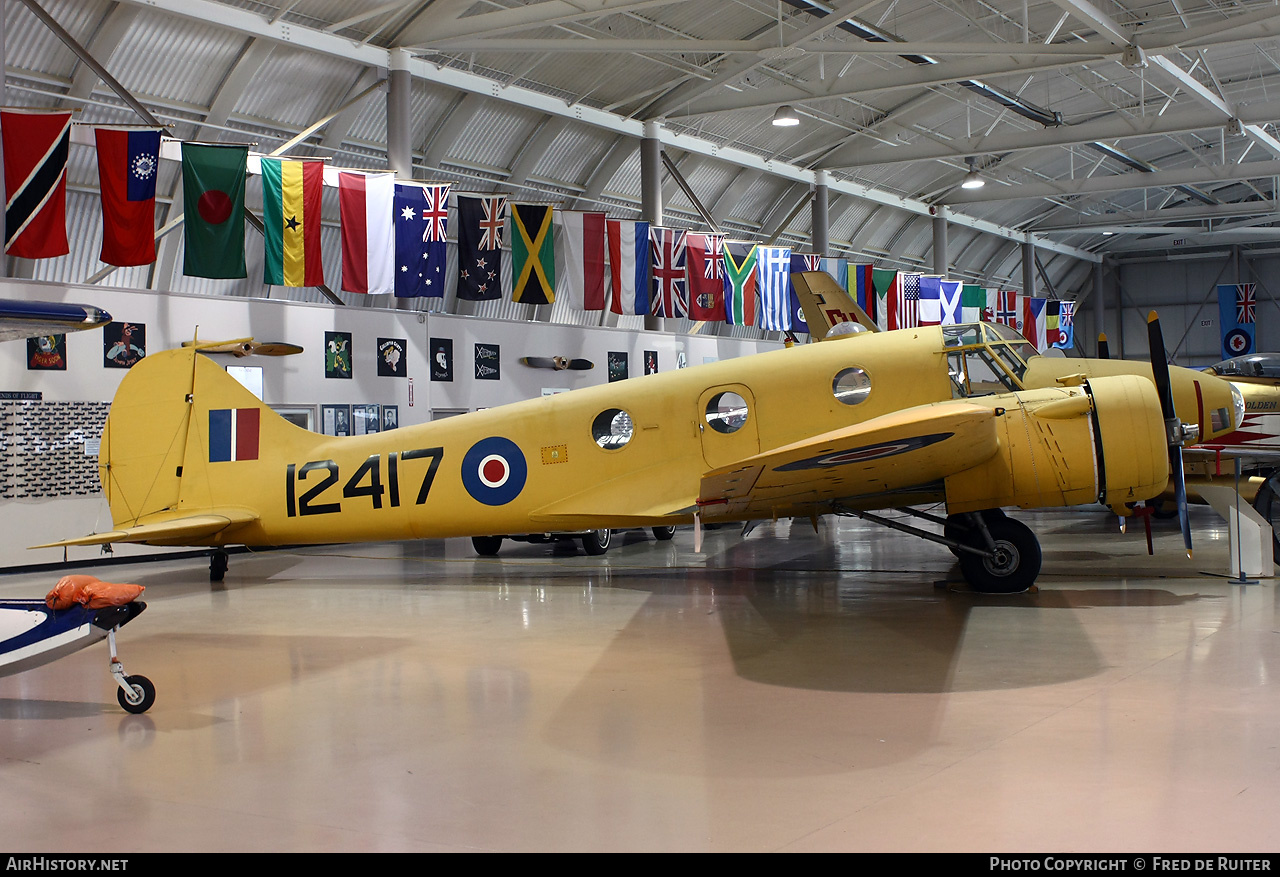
x=618, y=367
x=335, y=419
x=488, y=362
x=299, y=415
x=391, y=358
x=442, y=359
x=47, y=353
x=365, y=419
x=651, y=362
x=123, y=344
x=337, y=354
x=390, y=417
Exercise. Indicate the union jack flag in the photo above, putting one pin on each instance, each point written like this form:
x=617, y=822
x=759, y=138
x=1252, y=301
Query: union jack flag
x=1246, y=301
x=436, y=212
x=493, y=222
x=670, y=292
x=1064, y=315
x=713, y=267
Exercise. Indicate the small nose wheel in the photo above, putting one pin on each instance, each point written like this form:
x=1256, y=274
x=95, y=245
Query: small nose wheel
x=137, y=695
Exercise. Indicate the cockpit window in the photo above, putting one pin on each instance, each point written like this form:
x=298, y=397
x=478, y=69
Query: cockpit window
x=984, y=358
x=962, y=335
x=1256, y=365
x=974, y=372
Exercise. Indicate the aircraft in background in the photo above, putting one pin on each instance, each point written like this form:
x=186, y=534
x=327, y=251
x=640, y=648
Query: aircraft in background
x=874, y=421
x=33, y=319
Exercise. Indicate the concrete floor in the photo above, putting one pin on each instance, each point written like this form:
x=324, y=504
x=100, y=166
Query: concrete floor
x=789, y=691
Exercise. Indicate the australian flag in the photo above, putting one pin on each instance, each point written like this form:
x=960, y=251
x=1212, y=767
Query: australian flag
x=421, y=214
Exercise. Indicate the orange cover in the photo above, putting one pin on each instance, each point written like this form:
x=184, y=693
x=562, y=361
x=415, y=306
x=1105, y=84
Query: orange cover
x=100, y=595
x=66, y=593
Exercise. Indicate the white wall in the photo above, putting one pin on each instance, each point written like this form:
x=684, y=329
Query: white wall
x=299, y=380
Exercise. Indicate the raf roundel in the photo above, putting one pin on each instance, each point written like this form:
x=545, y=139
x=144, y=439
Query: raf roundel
x=494, y=471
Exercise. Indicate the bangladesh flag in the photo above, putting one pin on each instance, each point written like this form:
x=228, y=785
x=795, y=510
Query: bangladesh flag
x=213, y=227
x=291, y=192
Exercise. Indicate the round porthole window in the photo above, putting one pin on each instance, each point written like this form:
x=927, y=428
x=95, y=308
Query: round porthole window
x=612, y=428
x=851, y=386
x=727, y=412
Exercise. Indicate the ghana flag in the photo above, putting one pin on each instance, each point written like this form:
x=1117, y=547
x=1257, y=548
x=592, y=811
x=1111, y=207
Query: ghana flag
x=291, y=192
x=213, y=221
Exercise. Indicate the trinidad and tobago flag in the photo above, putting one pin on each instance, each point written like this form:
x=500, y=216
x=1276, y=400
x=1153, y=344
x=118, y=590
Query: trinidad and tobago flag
x=35, y=181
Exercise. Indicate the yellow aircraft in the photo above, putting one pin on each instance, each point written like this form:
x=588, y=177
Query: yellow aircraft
x=873, y=421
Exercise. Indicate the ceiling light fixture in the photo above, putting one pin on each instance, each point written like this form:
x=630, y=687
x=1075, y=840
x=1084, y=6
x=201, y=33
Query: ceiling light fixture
x=972, y=180
x=785, y=117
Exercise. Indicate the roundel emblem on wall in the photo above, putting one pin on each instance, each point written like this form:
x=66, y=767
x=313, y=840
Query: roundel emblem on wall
x=1237, y=341
x=494, y=471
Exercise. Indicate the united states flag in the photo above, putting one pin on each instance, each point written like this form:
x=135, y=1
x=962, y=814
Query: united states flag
x=670, y=293
x=1246, y=302
x=908, y=309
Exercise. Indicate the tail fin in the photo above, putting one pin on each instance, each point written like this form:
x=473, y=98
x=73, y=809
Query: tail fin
x=179, y=458
x=826, y=305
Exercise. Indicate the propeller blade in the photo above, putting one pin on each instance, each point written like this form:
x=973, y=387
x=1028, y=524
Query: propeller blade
x=1104, y=351
x=1173, y=427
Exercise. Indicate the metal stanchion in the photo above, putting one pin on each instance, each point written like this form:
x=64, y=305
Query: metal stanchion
x=1240, y=536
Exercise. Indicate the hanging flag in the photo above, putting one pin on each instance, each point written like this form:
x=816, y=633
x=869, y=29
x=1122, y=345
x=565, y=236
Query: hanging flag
x=1007, y=307
x=973, y=301
x=1066, y=325
x=950, y=299
x=669, y=291
x=773, y=281
x=839, y=269
x=904, y=302
x=35, y=182
x=480, y=222
x=582, y=242
x=740, y=283
x=628, y=244
x=533, y=263
x=1051, y=322
x=800, y=263
x=885, y=281
x=1237, y=310
x=862, y=287
x=1033, y=325
x=291, y=192
x=705, y=269
x=128, y=159
x=419, y=215
x=930, y=307
x=368, y=243
x=213, y=179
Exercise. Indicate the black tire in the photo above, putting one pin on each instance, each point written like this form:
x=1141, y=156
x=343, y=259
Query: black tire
x=664, y=534
x=144, y=694
x=486, y=546
x=217, y=566
x=1267, y=504
x=1015, y=565
x=597, y=542
x=1162, y=510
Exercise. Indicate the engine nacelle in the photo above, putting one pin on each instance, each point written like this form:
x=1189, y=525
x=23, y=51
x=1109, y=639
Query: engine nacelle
x=1060, y=447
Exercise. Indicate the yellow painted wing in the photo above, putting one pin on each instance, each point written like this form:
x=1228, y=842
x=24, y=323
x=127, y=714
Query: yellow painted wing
x=902, y=451
x=185, y=531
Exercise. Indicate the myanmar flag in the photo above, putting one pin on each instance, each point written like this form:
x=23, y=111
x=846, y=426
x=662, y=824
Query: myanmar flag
x=291, y=192
x=213, y=220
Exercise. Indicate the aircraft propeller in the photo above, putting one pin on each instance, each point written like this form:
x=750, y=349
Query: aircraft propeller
x=1175, y=431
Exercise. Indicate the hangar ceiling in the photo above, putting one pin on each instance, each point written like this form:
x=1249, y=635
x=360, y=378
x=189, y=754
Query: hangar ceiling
x=1099, y=128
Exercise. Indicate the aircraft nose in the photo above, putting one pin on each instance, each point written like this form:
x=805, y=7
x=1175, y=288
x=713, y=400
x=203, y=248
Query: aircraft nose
x=1219, y=406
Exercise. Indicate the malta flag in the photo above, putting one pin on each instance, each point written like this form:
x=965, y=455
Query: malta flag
x=582, y=237
x=233, y=434
x=629, y=267
x=35, y=181
x=704, y=261
x=291, y=192
x=368, y=241
x=128, y=159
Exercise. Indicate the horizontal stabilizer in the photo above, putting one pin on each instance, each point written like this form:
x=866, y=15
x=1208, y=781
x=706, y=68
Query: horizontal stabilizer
x=188, y=530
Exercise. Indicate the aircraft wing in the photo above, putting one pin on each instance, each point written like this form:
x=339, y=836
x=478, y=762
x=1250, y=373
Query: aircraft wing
x=185, y=531
x=895, y=452
x=31, y=319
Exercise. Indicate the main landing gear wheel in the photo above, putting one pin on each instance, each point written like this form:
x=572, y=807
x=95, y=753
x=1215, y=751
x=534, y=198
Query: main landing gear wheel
x=217, y=565
x=597, y=542
x=486, y=546
x=664, y=534
x=140, y=696
x=1014, y=563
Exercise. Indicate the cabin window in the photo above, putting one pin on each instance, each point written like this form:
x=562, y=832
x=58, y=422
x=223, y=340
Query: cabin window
x=727, y=412
x=612, y=428
x=851, y=386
